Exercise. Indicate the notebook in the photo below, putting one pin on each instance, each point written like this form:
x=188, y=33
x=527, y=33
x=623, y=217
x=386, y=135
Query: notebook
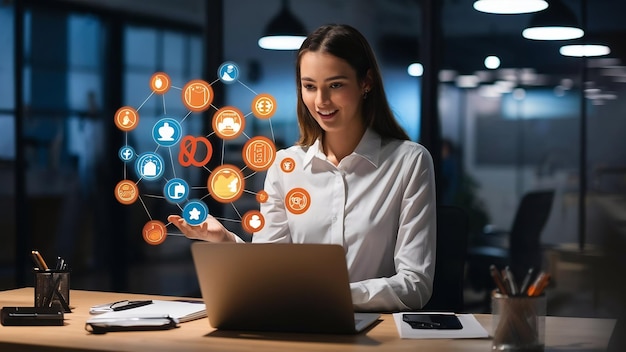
x=277, y=287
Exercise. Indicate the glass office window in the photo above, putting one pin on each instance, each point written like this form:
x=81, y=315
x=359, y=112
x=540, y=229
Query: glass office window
x=175, y=50
x=195, y=57
x=7, y=97
x=7, y=142
x=140, y=45
x=84, y=90
x=7, y=146
x=84, y=42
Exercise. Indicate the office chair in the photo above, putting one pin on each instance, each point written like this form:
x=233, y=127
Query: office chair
x=521, y=250
x=452, y=237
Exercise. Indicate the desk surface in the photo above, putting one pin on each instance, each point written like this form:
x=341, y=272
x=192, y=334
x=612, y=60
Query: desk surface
x=561, y=334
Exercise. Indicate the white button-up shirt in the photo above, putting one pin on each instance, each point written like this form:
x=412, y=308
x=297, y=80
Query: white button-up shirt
x=378, y=203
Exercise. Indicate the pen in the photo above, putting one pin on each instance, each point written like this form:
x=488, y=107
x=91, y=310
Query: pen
x=495, y=274
x=539, y=284
x=542, y=285
x=129, y=305
x=64, y=304
x=60, y=263
x=510, y=279
x=41, y=264
x=55, y=289
x=524, y=288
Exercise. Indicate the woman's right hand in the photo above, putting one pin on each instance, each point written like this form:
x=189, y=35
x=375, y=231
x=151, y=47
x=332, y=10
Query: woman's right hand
x=210, y=230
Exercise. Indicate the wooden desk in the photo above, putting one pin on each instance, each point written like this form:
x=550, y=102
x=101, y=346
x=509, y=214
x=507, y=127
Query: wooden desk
x=561, y=334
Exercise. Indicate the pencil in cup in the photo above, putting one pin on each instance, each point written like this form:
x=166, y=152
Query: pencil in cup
x=518, y=322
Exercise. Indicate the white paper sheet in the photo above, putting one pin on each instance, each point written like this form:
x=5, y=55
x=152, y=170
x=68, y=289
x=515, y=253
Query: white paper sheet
x=471, y=328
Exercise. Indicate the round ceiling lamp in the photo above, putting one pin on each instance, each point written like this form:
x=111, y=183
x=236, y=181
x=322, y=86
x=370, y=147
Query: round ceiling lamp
x=584, y=50
x=284, y=32
x=509, y=7
x=557, y=22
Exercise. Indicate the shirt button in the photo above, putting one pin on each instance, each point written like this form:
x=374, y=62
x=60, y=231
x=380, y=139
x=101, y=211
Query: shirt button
x=334, y=218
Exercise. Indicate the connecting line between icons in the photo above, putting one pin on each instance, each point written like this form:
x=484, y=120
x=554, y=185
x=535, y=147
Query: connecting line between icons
x=223, y=152
x=184, y=118
x=204, y=196
x=250, y=89
x=272, y=131
x=125, y=143
x=164, y=108
x=236, y=210
x=247, y=177
x=231, y=220
x=145, y=208
x=172, y=160
x=173, y=234
x=145, y=101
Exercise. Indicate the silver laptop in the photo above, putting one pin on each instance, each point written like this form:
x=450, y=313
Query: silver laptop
x=277, y=287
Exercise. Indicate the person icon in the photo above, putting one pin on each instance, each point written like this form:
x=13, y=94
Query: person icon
x=166, y=132
x=126, y=119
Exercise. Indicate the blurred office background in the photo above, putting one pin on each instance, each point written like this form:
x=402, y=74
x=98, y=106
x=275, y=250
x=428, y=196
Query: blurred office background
x=526, y=119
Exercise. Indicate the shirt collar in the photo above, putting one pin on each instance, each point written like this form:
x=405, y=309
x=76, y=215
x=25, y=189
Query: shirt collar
x=369, y=148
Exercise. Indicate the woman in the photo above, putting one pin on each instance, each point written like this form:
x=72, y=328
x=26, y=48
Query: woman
x=353, y=178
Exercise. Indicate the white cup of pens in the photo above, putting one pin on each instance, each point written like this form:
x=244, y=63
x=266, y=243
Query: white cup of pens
x=519, y=311
x=52, y=284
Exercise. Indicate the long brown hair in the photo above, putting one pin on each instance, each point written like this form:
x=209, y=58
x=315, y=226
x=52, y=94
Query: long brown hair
x=347, y=43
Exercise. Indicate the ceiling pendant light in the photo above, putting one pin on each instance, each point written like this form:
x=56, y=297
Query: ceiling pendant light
x=557, y=22
x=584, y=50
x=284, y=32
x=509, y=7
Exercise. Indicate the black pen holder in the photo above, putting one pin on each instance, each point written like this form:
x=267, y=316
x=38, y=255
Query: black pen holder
x=52, y=289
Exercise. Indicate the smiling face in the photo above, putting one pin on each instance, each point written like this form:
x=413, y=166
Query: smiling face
x=332, y=93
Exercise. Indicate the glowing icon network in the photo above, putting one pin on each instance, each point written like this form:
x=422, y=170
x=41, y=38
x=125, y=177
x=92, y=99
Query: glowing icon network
x=226, y=182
